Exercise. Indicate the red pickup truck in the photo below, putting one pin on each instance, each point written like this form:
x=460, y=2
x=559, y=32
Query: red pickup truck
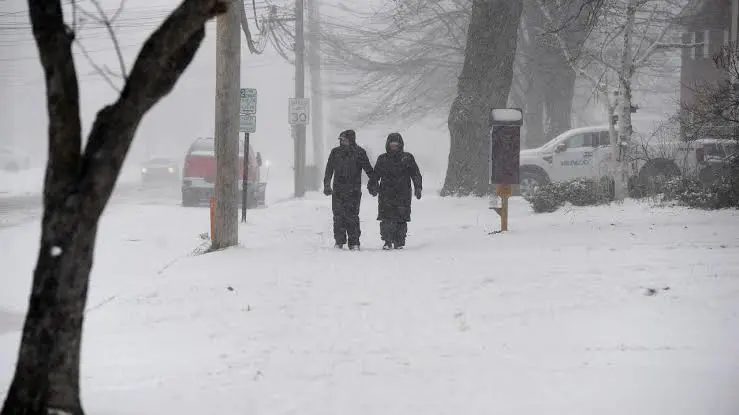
x=199, y=174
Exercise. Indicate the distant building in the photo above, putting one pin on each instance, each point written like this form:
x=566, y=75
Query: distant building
x=714, y=23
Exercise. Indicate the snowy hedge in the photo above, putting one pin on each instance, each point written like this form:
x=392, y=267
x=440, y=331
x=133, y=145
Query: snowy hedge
x=579, y=192
x=722, y=193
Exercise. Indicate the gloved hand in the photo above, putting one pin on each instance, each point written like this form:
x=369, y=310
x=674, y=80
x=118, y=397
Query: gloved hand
x=373, y=192
x=418, y=194
x=327, y=191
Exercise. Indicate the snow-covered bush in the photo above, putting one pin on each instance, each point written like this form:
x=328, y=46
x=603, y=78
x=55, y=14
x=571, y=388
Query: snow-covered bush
x=722, y=193
x=578, y=192
x=547, y=198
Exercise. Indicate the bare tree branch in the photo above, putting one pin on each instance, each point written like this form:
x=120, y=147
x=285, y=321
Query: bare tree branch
x=108, y=23
x=254, y=48
x=569, y=55
x=104, y=71
x=403, y=70
x=105, y=74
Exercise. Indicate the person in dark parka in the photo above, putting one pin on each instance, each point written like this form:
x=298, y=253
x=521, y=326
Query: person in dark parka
x=394, y=172
x=345, y=165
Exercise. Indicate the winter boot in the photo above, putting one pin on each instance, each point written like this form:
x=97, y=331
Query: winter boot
x=354, y=247
x=388, y=246
x=339, y=246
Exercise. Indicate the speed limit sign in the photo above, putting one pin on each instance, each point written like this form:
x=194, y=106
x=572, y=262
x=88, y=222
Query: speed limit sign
x=299, y=111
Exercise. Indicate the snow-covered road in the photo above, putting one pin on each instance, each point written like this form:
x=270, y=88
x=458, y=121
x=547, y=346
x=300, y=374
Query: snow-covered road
x=20, y=194
x=626, y=309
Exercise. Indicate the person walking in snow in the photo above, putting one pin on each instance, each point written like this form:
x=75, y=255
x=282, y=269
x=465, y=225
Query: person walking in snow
x=345, y=165
x=394, y=172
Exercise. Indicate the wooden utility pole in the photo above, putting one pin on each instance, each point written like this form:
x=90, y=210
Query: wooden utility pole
x=299, y=93
x=228, y=74
x=314, y=63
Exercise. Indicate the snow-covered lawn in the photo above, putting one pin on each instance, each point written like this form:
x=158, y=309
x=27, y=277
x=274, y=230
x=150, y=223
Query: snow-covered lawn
x=611, y=310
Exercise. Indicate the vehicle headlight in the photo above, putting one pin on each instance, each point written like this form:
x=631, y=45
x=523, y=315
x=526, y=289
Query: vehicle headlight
x=171, y=169
x=144, y=170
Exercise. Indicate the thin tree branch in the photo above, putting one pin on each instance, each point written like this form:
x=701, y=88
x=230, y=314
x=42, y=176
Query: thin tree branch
x=75, y=18
x=100, y=70
x=118, y=11
x=650, y=20
x=245, y=28
x=111, y=32
x=256, y=21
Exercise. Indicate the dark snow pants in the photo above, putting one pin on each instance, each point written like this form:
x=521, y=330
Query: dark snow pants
x=394, y=231
x=345, y=206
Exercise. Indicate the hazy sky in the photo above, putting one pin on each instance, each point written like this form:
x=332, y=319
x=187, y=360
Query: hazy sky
x=189, y=111
x=174, y=122
x=177, y=120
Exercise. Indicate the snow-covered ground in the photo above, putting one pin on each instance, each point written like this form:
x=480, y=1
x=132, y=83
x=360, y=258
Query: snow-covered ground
x=626, y=309
x=31, y=181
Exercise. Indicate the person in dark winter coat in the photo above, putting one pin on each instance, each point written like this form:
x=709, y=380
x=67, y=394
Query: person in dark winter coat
x=394, y=172
x=345, y=165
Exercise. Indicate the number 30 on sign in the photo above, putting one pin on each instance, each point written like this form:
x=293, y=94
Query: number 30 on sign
x=299, y=111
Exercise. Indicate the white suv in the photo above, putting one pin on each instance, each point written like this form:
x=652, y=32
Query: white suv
x=581, y=152
x=586, y=153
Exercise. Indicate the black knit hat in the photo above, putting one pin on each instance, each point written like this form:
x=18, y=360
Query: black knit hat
x=349, y=135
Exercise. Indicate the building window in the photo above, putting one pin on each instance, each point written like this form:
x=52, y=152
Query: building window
x=707, y=44
x=687, y=52
x=699, y=51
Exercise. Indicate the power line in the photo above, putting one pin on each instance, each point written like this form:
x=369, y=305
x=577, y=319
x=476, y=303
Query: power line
x=148, y=18
x=95, y=78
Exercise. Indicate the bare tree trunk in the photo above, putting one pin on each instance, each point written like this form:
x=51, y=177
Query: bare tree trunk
x=625, y=77
x=47, y=371
x=555, y=78
x=518, y=92
x=484, y=83
x=558, y=97
x=534, y=117
x=530, y=78
x=228, y=75
x=560, y=92
x=77, y=188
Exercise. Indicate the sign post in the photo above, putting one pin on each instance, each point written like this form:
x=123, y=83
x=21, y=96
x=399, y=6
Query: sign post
x=505, y=148
x=247, y=125
x=298, y=118
x=212, y=206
